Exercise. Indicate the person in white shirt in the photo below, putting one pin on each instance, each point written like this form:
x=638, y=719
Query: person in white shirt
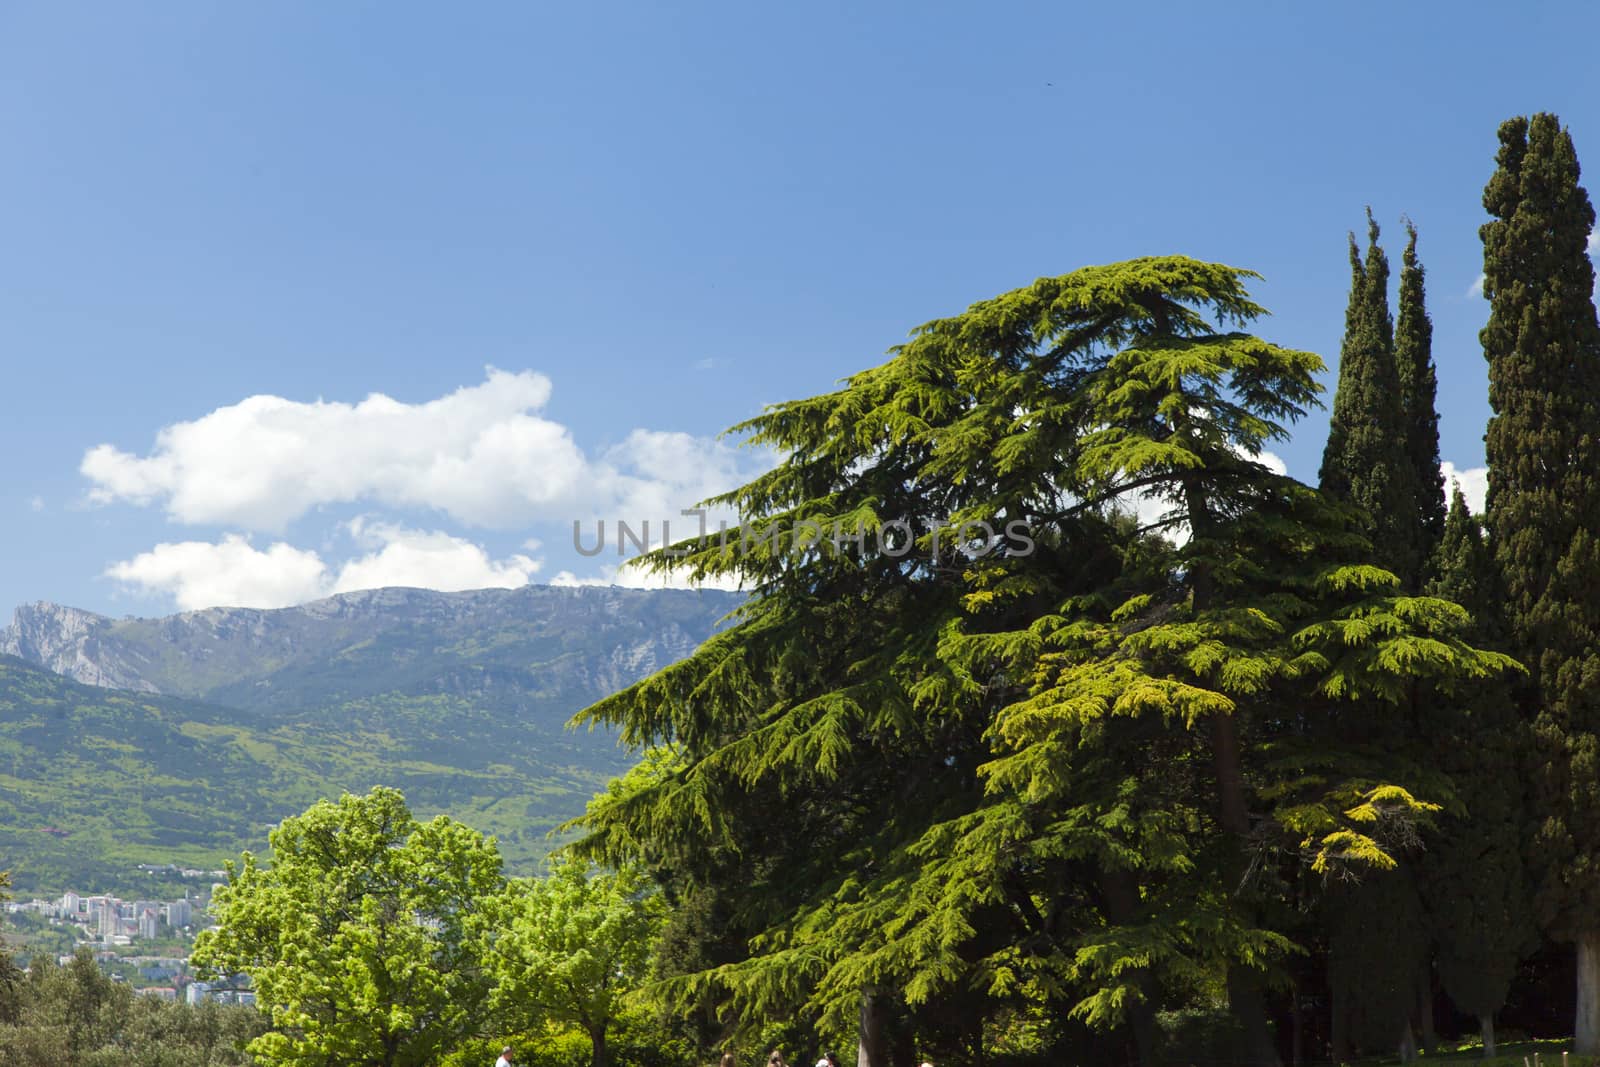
x=505, y=1058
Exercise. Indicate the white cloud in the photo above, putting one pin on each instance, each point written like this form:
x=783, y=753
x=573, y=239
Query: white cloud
x=234, y=573
x=1474, y=482
x=1476, y=288
x=36, y=504
x=631, y=577
x=1273, y=462
x=427, y=560
x=482, y=455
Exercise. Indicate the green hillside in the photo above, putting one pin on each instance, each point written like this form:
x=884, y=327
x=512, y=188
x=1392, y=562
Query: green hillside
x=460, y=700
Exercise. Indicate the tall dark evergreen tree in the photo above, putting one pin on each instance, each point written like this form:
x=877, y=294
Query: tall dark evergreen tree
x=1367, y=464
x=1543, y=444
x=1419, y=387
x=1365, y=461
x=1474, y=881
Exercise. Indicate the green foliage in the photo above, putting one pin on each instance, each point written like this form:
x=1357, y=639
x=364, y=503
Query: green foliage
x=573, y=947
x=1378, y=958
x=363, y=937
x=459, y=700
x=1382, y=456
x=1543, y=347
x=1071, y=778
x=1419, y=388
x=75, y=1016
x=1366, y=459
x=1473, y=878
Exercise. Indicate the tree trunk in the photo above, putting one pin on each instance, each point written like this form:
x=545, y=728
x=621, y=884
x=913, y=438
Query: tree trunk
x=1486, y=1027
x=1430, y=1037
x=902, y=1042
x=597, y=1037
x=1297, y=1027
x=1586, y=1027
x=1120, y=889
x=1244, y=990
x=1338, y=1028
x=1249, y=1008
x=873, y=1048
x=1408, y=1044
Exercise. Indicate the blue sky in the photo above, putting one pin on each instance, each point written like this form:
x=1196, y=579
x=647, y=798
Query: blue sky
x=649, y=222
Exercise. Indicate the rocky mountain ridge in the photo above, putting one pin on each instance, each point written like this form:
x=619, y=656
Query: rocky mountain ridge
x=185, y=738
x=237, y=655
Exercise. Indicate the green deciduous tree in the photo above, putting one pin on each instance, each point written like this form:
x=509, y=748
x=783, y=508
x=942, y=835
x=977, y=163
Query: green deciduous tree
x=363, y=936
x=1076, y=769
x=1543, y=448
x=76, y=1016
x=573, y=947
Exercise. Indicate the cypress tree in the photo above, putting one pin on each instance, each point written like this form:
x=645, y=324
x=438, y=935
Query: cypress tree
x=1365, y=462
x=1474, y=881
x=1377, y=957
x=1419, y=387
x=1543, y=446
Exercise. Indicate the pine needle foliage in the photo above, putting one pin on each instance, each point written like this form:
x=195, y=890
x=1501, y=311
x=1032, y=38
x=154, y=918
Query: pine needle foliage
x=1062, y=768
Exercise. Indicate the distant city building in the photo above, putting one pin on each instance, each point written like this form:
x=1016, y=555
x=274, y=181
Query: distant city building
x=148, y=922
x=180, y=913
x=196, y=992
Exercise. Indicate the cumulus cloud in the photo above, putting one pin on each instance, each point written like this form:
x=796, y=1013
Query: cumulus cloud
x=1474, y=482
x=1476, y=288
x=482, y=455
x=234, y=573
x=427, y=560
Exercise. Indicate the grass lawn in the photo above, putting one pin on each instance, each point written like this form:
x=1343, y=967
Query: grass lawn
x=1512, y=1054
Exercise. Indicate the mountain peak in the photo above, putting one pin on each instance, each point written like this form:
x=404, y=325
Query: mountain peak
x=65, y=640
